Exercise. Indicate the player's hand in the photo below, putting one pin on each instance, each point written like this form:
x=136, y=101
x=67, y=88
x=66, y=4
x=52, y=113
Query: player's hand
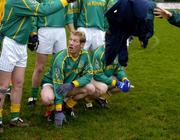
x=64, y=88
x=59, y=118
x=123, y=86
x=33, y=42
x=162, y=13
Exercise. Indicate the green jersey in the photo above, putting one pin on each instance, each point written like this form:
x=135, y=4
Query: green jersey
x=66, y=69
x=57, y=19
x=92, y=13
x=104, y=73
x=74, y=11
x=175, y=19
x=17, y=20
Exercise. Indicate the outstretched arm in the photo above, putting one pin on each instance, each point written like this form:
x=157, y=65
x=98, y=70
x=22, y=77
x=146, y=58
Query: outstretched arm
x=173, y=17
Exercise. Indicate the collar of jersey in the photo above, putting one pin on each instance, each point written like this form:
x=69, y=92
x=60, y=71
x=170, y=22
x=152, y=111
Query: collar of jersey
x=74, y=58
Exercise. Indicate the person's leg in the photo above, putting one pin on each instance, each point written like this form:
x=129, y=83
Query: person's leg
x=8, y=59
x=37, y=74
x=47, y=94
x=80, y=93
x=101, y=90
x=75, y=95
x=101, y=87
x=16, y=96
x=47, y=97
x=4, y=81
x=45, y=47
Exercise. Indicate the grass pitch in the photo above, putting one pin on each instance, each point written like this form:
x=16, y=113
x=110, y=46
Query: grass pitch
x=150, y=111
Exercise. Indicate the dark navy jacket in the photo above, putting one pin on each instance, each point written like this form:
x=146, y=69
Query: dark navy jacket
x=126, y=18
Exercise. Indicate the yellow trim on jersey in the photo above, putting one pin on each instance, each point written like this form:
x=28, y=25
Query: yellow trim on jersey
x=113, y=83
x=9, y=15
x=36, y=10
x=19, y=27
x=75, y=58
x=85, y=11
x=76, y=83
x=26, y=4
x=125, y=78
x=64, y=3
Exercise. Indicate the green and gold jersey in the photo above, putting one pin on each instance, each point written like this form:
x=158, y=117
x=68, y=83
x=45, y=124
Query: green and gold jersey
x=74, y=11
x=104, y=73
x=17, y=19
x=57, y=19
x=66, y=69
x=91, y=13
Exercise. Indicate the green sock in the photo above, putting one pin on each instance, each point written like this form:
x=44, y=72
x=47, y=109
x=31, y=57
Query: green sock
x=15, y=111
x=34, y=92
x=14, y=115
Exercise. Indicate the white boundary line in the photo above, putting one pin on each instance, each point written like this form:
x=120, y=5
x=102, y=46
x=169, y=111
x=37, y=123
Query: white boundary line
x=157, y=41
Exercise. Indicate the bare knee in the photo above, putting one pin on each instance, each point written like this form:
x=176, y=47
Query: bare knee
x=18, y=84
x=39, y=68
x=47, y=95
x=47, y=99
x=90, y=89
x=102, y=88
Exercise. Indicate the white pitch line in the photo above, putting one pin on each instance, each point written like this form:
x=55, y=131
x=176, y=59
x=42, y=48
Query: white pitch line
x=157, y=41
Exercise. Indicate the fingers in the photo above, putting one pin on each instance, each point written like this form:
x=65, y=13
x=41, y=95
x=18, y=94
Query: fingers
x=157, y=9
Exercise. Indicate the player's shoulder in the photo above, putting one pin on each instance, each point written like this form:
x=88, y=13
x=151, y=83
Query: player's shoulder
x=84, y=52
x=60, y=55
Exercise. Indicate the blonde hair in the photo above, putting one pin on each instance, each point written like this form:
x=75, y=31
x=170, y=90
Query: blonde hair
x=81, y=36
x=2, y=9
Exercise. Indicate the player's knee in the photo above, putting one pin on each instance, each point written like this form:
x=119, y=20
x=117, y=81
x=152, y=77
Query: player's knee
x=40, y=68
x=47, y=95
x=18, y=84
x=47, y=99
x=90, y=89
x=102, y=88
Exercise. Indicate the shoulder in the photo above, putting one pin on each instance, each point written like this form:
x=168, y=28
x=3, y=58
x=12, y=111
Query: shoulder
x=60, y=55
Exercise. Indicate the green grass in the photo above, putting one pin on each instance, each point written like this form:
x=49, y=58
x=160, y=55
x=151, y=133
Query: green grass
x=150, y=111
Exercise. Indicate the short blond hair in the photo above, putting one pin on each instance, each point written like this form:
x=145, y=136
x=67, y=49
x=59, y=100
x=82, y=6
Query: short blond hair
x=81, y=35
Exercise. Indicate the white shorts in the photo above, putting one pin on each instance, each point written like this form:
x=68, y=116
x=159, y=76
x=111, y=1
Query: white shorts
x=94, y=37
x=51, y=40
x=13, y=55
x=47, y=84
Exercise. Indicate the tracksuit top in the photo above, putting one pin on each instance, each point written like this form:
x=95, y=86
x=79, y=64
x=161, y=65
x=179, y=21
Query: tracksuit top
x=66, y=69
x=90, y=13
x=17, y=20
x=175, y=19
x=104, y=73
